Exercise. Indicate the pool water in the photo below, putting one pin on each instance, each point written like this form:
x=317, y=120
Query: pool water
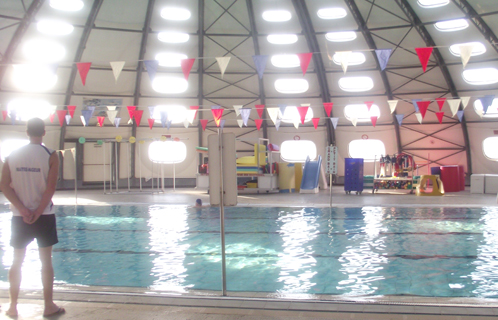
x=437, y=252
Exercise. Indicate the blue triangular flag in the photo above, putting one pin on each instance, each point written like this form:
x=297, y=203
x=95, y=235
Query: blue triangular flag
x=164, y=118
x=400, y=117
x=460, y=115
x=277, y=124
x=414, y=102
x=92, y=109
x=151, y=110
x=222, y=123
x=244, y=113
x=260, y=62
x=334, y=122
x=216, y=107
x=87, y=114
x=282, y=108
x=13, y=116
x=486, y=102
x=116, y=122
x=383, y=57
x=151, y=66
x=168, y=123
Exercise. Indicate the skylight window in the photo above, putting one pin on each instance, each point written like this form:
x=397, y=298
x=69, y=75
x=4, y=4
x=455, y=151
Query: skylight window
x=360, y=112
x=291, y=86
x=356, y=84
x=285, y=61
x=451, y=25
x=34, y=77
x=292, y=115
x=277, y=15
x=170, y=59
x=54, y=28
x=367, y=149
x=432, y=3
x=177, y=14
x=282, y=38
x=343, y=36
x=170, y=85
x=354, y=59
x=489, y=148
x=67, y=5
x=173, y=37
x=477, y=48
x=492, y=111
x=43, y=51
x=174, y=113
x=331, y=13
x=482, y=76
x=167, y=152
x=26, y=108
x=297, y=151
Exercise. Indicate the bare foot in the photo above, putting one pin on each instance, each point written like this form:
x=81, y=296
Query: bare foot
x=12, y=312
x=53, y=311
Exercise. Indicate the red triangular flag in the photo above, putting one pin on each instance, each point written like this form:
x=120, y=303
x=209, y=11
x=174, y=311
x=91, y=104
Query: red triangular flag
x=83, y=68
x=187, y=66
x=101, y=121
x=204, y=123
x=151, y=123
x=217, y=113
x=304, y=59
x=61, y=114
x=328, y=107
x=423, y=106
x=423, y=55
x=5, y=113
x=71, y=110
x=51, y=117
x=440, y=102
x=131, y=111
x=369, y=105
x=258, y=123
x=440, y=116
x=260, y=108
x=374, y=120
x=138, y=116
x=302, y=112
x=194, y=108
x=315, y=122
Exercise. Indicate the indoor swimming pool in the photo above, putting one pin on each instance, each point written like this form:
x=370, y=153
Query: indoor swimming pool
x=435, y=252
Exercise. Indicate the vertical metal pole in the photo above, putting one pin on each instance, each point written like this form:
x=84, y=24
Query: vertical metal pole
x=140, y=164
x=75, y=177
x=128, y=153
x=174, y=177
x=110, y=168
x=222, y=218
x=162, y=177
x=331, y=190
x=116, y=164
x=103, y=165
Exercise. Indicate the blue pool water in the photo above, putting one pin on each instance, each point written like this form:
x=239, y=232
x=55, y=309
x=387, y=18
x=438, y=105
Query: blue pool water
x=440, y=252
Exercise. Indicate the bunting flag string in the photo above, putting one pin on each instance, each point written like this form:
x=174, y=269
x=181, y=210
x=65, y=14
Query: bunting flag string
x=392, y=104
x=111, y=114
x=240, y=122
x=486, y=102
x=465, y=53
x=400, y=117
x=61, y=114
x=328, y=107
x=187, y=66
x=71, y=110
x=354, y=121
x=117, y=67
x=83, y=68
x=116, y=122
x=423, y=55
x=244, y=112
x=343, y=56
x=315, y=122
x=460, y=115
x=465, y=102
x=260, y=62
x=191, y=116
x=203, y=124
x=223, y=64
x=282, y=108
x=454, y=105
x=100, y=120
x=217, y=113
x=273, y=113
x=237, y=109
x=383, y=56
x=440, y=117
x=440, y=102
x=423, y=106
x=304, y=59
x=258, y=123
x=302, y=112
x=334, y=121
x=419, y=117
x=138, y=116
x=151, y=66
x=369, y=104
x=68, y=119
x=260, y=109
x=131, y=111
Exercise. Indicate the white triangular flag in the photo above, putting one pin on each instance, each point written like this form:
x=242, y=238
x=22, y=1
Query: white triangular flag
x=83, y=120
x=73, y=152
x=273, y=112
x=112, y=115
x=237, y=109
x=68, y=119
x=392, y=104
x=419, y=117
x=465, y=53
x=223, y=63
x=296, y=124
x=465, y=102
x=240, y=122
x=277, y=124
x=354, y=121
x=117, y=66
x=454, y=105
x=186, y=123
x=344, y=58
x=116, y=122
x=111, y=108
x=191, y=116
x=480, y=112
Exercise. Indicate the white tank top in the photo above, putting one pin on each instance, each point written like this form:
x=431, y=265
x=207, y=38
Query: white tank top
x=29, y=168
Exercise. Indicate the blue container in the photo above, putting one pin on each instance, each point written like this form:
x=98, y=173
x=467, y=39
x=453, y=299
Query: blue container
x=435, y=171
x=353, y=175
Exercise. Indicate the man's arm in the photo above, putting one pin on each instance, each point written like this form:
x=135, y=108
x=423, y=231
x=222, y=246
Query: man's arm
x=10, y=193
x=53, y=173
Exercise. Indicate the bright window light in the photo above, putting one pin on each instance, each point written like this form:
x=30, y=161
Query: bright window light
x=360, y=112
x=282, y=38
x=477, y=48
x=432, y=3
x=10, y=145
x=285, y=61
x=67, y=5
x=26, y=108
x=170, y=59
x=297, y=150
x=277, y=15
x=492, y=111
x=167, y=152
x=356, y=84
x=54, y=28
x=451, y=25
x=331, y=13
x=165, y=84
x=341, y=36
x=355, y=58
x=292, y=115
x=34, y=77
x=481, y=76
x=174, y=113
x=291, y=86
x=489, y=148
x=178, y=14
x=366, y=149
x=43, y=51
x=173, y=37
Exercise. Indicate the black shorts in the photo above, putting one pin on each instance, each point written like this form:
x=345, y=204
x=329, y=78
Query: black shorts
x=44, y=230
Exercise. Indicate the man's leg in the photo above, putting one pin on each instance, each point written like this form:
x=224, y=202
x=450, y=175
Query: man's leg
x=47, y=273
x=15, y=280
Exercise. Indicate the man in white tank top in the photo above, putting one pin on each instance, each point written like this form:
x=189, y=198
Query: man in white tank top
x=29, y=179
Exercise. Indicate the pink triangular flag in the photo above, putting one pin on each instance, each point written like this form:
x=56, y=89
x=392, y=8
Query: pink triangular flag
x=217, y=113
x=315, y=122
x=423, y=55
x=440, y=102
x=5, y=113
x=131, y=110
x=187, y=66
x=101, y=121
x=194, y=108
x=423, y=106
x=302, y=112
x=374, y=120
x=61, y=114
x=258, y=123
x=204, y=123
x=304, y=59
x=51, y=116
x=328, y=107
x=151, y=123
x=83, y=68
x=369, y=105
x=260, y=108
x=138, y=116
x=440, y=116
x=71, y=110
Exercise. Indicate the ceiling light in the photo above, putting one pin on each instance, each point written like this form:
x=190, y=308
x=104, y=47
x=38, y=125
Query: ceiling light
x=173, y=37
x=477, y=48
x=10, y=145
x=43, y=51
x=492, y=111
x=170, y=59
x=356, y=84
x=67, y=5
x=331, y=13
x=285, y=61
x=34, y=78
x=165, y=84
x=451, y=25
x=26, y=108
x=54, y=28
x=360, y=112
x=291, y=115
x=480, y=76
x=282, y=38
x=355, y=58
x=291, y=86
x=167, y=152
x=178, y=14
x=174, y=113
x=432, y=3
x=341, y=36
x=277, y=15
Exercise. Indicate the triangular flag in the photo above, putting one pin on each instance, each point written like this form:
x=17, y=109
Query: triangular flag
x=277, y=124
x=111, y=108
x=83, y=120
x=480, y=112
x=151, y=66
x=92, y=110
x=296, y=124
x=71, y=110
x=87, y=114
x=400, y=117
x=369, y=104
x=440, y=116
x=217, y=113
x=187, y=66
x=460, y=115
x=223, y=63
x=204, y=123
x=302, y=112
x=83, y=68
x=487, y=101
x=258, y=123
x=222, y=123
x=423, y=55
x=419, y=117
x=151, y=122
x=51, y=116
x=465, y=53
x=191, y=116
x=101, y=121
x=260, y=62
x=328, y=107
x=13, y=116
x=151, y=111
x=5, y=113
x=195, y=108
x=282, y=108
x=244, y=112
x=138, y=116
x=131, y=111
x=68, y=119
x=117, y=67
x=304, y=59
x=454, y=105
x=260, y=108
x=423, y=106
x=374, y=120
x=315, y=122
x=465, y=102
x=61, y=114
x=273, y=112
x=354, y=121
x=334, y=121
x=383, y=57
x=240, y=123
x=237, y=109
x=111, y=114
x=216, y=107
x=116, y=122
x=344, y=58
x=186, y=123
x=440, y=102
x=164, y=118
x=168, y=124
x=392, y=104
x=414, y=102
